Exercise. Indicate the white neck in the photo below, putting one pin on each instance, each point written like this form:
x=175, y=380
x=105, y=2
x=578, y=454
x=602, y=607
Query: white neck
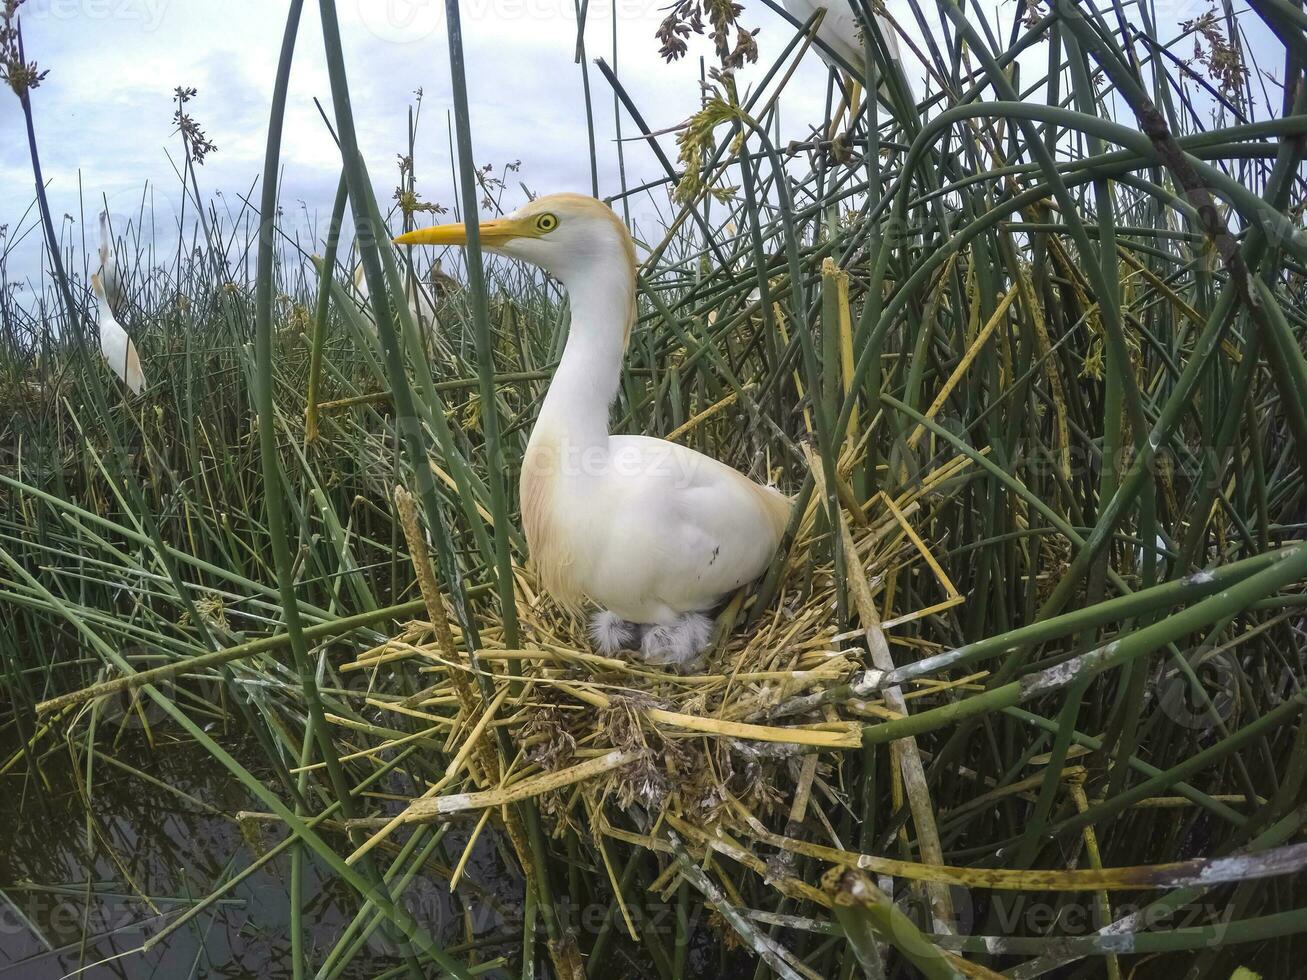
x=575, y=410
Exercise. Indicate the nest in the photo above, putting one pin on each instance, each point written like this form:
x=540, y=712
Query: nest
x=618, y=749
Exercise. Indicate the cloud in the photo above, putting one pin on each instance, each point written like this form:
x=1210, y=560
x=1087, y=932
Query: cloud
x=104, y=115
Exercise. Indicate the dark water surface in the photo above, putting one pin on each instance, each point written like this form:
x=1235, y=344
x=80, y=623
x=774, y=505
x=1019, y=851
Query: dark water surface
x=85, y=881
x=102, y=856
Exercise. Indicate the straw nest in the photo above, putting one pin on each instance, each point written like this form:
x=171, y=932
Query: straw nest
x=621, y=750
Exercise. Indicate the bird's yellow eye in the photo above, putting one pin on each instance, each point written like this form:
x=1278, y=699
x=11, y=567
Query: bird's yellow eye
x=546, y=223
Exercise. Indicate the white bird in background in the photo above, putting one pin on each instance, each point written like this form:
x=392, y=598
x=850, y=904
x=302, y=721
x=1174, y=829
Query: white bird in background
x=119, y=351
x=109, y=277
x=841, y=31
x=423, y=310
x=653, y=532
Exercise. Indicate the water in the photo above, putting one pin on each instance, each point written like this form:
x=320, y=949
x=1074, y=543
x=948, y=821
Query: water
x=86, y=881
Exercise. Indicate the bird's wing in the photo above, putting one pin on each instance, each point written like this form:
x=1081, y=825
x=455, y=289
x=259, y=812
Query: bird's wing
x=118, y=349
x=423, y=309
x=135, y=375
x=891, y=38
x=840, y=29
x=842, y=32
x=684, y=527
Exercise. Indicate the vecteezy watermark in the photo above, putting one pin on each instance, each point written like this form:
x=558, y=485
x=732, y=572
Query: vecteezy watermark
x=649, y=460
x=406, y=21
x=133, y=708
x=427, y=902
x=63, y=919
x=1171, y=14
x=1200, y=695
x=542, y=10
x=401, y=21
x=148, y=13
x=1016, y=915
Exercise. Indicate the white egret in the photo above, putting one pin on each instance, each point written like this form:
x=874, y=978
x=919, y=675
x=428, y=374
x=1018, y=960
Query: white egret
x=841, y=31
x=424, y=312
x=109, y=277
x=653, y=532
x=118, y=349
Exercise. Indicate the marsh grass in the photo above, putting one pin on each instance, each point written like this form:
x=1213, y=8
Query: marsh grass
x=1028, y=354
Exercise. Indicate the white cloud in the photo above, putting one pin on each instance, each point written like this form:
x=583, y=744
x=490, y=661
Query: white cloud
x=104, y=115
x=105, y=112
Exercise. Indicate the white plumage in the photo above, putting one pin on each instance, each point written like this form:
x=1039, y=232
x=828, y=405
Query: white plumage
x=653, y=532
x=841, y=31
x=109, y=277
x=420, y=306
x=119, y=351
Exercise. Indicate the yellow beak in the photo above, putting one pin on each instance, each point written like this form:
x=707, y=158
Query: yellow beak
x=495, y=232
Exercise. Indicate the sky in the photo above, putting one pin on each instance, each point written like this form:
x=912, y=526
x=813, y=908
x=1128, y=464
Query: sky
x=104, y=113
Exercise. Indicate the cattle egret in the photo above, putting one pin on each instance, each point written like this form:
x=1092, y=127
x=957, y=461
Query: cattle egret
x=1159, y=555
x=119, y=351
x=109, y=277
x=420, y=305
x=654, y=533
x=841, y=31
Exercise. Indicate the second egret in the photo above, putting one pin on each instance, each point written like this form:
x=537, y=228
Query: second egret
x=841, y=31
x=109, y=277
x=118, y=349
